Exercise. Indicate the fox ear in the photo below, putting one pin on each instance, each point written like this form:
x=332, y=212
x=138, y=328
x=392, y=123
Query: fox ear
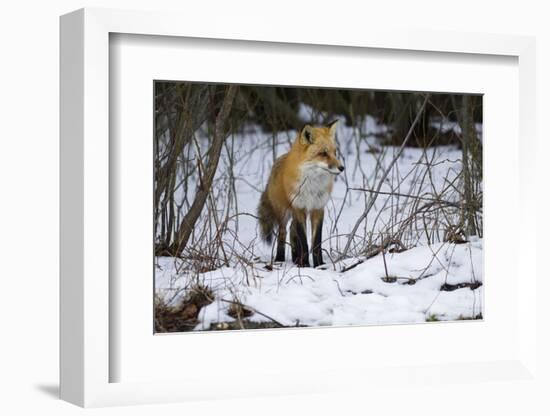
x=332, y=127
x=306, y=135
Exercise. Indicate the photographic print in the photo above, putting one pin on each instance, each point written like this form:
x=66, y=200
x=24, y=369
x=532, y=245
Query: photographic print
x=286, y=207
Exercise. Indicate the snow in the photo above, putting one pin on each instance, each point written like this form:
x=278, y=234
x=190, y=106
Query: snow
x=362, y=295
x=445, y=126
x=313, y=297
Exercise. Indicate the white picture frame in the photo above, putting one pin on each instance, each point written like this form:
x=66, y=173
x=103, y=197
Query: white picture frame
x=86, y=356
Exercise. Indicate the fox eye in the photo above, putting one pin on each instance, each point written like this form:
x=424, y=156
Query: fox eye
x=324, y=153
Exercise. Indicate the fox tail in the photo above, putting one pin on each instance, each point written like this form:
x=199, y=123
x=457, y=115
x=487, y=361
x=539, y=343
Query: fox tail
x=266, y=218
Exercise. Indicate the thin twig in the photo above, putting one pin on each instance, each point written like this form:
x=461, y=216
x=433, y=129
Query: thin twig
x=383, y=178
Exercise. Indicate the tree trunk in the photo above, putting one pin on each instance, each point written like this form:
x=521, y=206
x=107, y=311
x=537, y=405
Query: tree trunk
x=180, y=128
x=470, y=148
x=205, y=180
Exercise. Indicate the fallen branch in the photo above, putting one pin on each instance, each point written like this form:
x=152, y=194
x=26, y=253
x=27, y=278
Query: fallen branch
x=375, y=251
x=254, y=310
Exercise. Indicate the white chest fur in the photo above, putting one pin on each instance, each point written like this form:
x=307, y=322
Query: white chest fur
x=313, y=190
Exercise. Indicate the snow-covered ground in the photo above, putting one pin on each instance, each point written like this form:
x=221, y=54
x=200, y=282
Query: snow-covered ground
x=360, y=296
x=397, y=287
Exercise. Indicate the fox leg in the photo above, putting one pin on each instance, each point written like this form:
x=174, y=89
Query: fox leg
x=281, y=242
x=298, y=239
x=316, y=235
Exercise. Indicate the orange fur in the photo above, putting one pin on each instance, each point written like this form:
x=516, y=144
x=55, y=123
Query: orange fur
x=301, y=181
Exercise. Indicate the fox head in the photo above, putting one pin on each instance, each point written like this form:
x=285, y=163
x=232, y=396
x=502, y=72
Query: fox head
x=319, y=145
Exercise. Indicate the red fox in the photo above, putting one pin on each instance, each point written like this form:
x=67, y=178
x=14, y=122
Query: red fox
x=299, y=185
